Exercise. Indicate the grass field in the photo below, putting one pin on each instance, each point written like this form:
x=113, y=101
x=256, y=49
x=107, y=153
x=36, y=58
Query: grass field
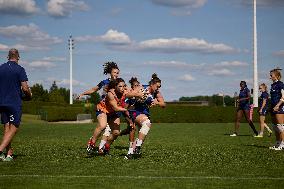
x=174, y=156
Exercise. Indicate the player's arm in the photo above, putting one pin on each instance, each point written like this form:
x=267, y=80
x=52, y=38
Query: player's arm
x=26, y=89
x=113, y=103
x=90, y=91
x=263, y=104
x=160, y=100
x=281, y=101
x=129, y=93
x=246, y=98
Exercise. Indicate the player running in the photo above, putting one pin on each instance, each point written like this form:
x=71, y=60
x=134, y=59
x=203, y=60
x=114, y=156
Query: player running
x=142, y=118
x=129, y=104
x=111, y=69
x=277, y=108
x=243, y=109
x=263, y=102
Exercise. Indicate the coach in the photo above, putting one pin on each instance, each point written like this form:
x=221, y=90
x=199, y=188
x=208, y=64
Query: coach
x=13, y=86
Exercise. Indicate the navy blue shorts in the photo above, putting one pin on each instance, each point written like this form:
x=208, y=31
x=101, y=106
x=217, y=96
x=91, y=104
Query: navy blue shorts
x=281, y=110
x=263, y=112
x=145, y=112
x=11, y=114
x=244, y=107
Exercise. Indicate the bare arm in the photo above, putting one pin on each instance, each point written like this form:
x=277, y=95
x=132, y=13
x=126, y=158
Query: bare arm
x=276, y=108
x=113, y=103
x=160, y=100
x=129, y=93
x=90, y=91
x=26, y=89
x=263, y=104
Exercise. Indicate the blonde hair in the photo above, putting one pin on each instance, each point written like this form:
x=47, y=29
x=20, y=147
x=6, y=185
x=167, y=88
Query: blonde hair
x=277, y=73
x=264, y=85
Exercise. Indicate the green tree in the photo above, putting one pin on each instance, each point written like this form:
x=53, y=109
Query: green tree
x=95, y=98
x=39, y=93
x=53, y=87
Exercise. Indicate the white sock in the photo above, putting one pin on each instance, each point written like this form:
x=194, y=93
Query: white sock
x=130, y=151
x=139, y=142
x=130, y=144
x=102, y=144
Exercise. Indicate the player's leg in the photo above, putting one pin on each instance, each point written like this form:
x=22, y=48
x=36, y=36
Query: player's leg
x=11, y=118
x=7, y=139
x=9, y=149
x=246, y=114
x=280, y=128
x=106, y=134
x=114, y=124
x=239, y=115
x=145, y=125
x=102, y=123
x=276, y=131
x=261, y=123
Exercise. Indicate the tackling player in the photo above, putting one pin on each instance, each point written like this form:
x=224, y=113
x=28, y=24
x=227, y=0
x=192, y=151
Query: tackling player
x=142, y=119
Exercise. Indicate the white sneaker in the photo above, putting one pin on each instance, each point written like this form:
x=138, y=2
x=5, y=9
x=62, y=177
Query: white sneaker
x=274, y=147
x=233, y=135
x=279, y=148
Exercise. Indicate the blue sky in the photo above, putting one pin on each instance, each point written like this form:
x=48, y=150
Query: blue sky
x=197, y=47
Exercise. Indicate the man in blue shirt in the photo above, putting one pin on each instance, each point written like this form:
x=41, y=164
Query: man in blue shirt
x=13, y=85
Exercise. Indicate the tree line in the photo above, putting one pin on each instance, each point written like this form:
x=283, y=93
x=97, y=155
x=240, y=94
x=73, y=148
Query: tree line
x=56, y=94
x=214, y=100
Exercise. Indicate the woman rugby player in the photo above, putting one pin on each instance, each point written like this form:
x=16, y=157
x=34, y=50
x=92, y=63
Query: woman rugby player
x=142, y=113
x=263, y=110
x=277, y=108
x=112, y=69
x=243, y=109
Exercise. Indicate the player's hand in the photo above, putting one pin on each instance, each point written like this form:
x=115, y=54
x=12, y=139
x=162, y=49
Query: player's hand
x=154, y=103
x=276, y=108
x=260, y=111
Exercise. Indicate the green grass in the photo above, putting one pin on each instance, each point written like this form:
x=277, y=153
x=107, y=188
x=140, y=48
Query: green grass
x=174, y=156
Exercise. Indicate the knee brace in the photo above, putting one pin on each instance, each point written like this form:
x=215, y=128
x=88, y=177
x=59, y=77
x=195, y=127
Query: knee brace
x=145, y=127
x=107, y=131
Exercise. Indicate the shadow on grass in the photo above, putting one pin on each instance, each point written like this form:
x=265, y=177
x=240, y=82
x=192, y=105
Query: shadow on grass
x=256, y=146
x=121, y=147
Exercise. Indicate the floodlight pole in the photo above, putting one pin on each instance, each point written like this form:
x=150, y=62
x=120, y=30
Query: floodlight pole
x=255, y=74
x=71, y=47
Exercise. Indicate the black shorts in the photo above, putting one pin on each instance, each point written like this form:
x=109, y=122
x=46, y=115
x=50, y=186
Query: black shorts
x=11, y=114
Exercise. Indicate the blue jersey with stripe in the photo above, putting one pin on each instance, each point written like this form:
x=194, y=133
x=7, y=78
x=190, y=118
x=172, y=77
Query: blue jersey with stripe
x=244, y=93
x=143, y=107
x=275, y=92
x=103, y=85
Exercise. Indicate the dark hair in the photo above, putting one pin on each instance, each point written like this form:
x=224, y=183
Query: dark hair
x=154, y=79
x=108, y=66
x=133, y=80
x=13, y=53
x=243, y=83
x=114, y=83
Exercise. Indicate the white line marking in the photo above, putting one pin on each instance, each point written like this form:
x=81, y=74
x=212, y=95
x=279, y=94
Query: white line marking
x=147, y=177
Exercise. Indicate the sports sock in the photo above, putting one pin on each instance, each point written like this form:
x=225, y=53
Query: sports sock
x=139, y=142
x=102, y=144
x=130, y=151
